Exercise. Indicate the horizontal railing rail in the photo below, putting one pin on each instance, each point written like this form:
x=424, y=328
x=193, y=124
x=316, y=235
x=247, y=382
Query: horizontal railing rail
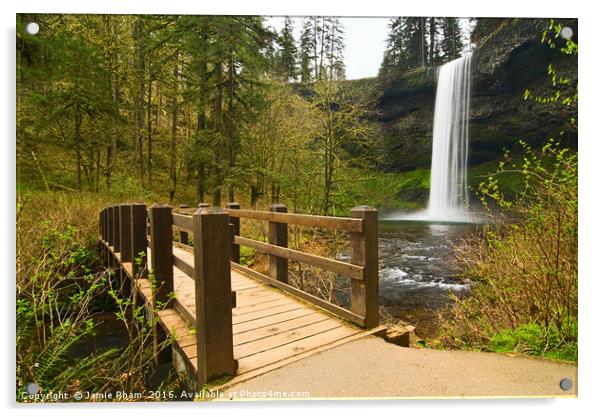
x=337, y=223
x=347, y=224
x=333, y=265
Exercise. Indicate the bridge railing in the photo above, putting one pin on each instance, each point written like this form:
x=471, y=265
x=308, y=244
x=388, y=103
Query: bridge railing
x=127, y=230
x=362, y=268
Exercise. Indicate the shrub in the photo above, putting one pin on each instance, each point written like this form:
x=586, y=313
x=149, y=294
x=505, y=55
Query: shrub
x=61, y=286
x=524, y=264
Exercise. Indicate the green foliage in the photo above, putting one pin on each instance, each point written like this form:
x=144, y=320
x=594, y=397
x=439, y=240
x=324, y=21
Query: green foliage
x=287, y=58
x=402, y=190
x=566, y=90
x=342, y=135
x=410, y=189
x=57, y=291
x=532, y=339
x=452, y=43
x=509, y=182
x=246, y=256
x=62, y=290
x=524, y=264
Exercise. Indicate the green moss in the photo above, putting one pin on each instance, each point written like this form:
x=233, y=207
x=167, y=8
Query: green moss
x=403, y=190
x=534, y=340
x=510, y=183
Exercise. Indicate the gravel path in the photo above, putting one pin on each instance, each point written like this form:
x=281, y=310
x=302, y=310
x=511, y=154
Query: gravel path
x=371, y=367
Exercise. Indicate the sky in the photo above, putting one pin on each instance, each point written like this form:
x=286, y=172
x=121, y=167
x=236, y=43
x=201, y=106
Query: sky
x=365, y=42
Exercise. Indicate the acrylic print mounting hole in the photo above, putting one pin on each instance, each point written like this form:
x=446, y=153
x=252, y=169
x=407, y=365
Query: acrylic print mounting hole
x=32, y=28
x=566, y=32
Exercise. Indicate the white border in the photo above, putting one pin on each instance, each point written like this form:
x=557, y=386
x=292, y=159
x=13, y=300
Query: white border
x=589, y=189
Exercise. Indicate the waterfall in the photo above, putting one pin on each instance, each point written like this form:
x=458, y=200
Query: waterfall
x=448, y=197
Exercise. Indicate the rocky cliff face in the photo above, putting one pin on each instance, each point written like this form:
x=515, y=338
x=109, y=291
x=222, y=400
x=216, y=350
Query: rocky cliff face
x=508, y=61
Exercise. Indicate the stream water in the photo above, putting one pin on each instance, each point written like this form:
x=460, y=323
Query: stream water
x=416, y=278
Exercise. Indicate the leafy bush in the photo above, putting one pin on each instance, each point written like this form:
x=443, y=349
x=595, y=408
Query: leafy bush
x=524, y=264
x=61, y=287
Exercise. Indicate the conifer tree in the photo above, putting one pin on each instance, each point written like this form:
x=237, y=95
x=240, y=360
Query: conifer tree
x=451, y=42
x=306, y=51
x=287, y=62
x=334, y=45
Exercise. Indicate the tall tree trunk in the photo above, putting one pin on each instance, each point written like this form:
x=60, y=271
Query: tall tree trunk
x=432, y=30
x=159, y=105
x=97, y=179
x=315, y=57
x=140, y=74
x=421, y=21
x=218, y=129
x=331, y=63
x=453, y=38
x=109, y=164
x=230, y=128
x=200, y=174
x=149, y=133
x=78, y=151
x=174, y=136
x=322, y=48
x=113, y=60
x=201, y=126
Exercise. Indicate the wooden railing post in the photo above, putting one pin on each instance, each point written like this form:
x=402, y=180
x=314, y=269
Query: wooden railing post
x=162, y=252
x=105, y=226
x=101, y=233
x=278, y=235
x=116, y=229
x=110, y=237
x=235, y=231
x=139, y=240
x=109, y=226
x=125, y=229
x=101, y=225
x=364, y=252
x=101, y=221
x=183, y=234
x=213, y=294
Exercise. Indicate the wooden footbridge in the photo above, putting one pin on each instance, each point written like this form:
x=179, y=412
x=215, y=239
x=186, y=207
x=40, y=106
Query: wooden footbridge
x=226, y=319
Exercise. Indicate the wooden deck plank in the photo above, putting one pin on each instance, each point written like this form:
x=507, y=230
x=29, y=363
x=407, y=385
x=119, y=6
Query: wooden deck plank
x=276, y=328
x=245, y=287
x=250, y=296
x=267, y=321
x=281, y=339
x=289, y=306
x=260, y=305
x=289, y=350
